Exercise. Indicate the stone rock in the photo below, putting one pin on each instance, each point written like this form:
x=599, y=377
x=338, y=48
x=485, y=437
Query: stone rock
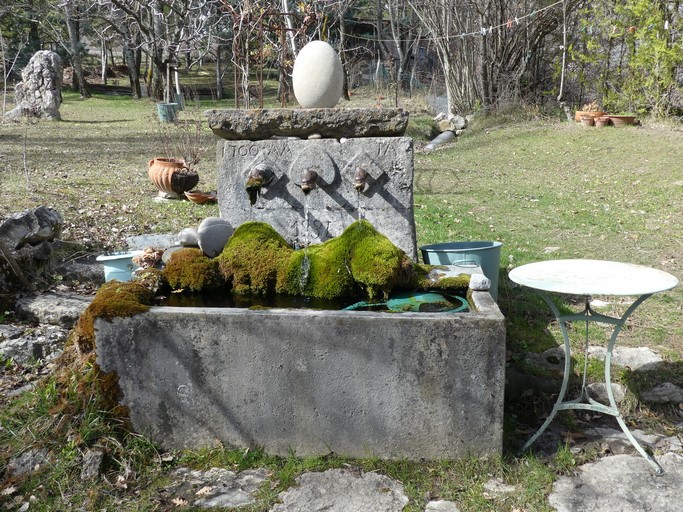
x=213, y=233
x=338, y=490
x=452, y=123
x=441, y=506
x=56, y=308
x=31, y=227
x=551, y=359
x=166, y=257
x=639, y=358
x=80, y=270
x=188, y=237
x=217, y=487
x=663, y=393
x=496, y=487
x=157, y=241
x=39, y=93
x=625, y=483
x=28, y=462
x=92, y=464
x=617, y=441
x=480, y=282
x=317, y=76
x=24, y=343
x=598, y=392
x=329, y=123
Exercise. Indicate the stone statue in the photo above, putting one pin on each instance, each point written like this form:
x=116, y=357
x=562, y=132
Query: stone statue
x=39, y=94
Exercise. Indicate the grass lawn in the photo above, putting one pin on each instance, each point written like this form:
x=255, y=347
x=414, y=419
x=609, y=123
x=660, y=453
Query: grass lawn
x=546, y=189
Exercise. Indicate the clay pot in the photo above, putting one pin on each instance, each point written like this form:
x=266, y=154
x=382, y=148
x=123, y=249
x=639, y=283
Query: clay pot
x=580, y=113
x=602, y=121
x=587, y=120
x=201, y=197
x=171, y=176
x=622, y=120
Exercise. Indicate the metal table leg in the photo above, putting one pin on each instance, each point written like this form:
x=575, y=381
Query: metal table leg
x=584, y=402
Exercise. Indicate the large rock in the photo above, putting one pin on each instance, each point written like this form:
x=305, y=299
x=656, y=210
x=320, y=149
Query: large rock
x=56, y=308
x=217, y=487
x=30, y=227
x=330, y=123
x=622, y=482
x=666, y=392
x=338, y=490
x=39, y=94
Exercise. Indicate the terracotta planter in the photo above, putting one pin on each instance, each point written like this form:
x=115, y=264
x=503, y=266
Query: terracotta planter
x=171, y=176
x=587, y=120
x=201, y=197
x=579, y=113
x=602, y=121
x=622, y=120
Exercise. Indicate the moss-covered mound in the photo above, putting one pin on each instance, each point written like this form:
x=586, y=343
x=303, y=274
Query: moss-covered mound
x=254, y=259
x=360, y=263
x=191, y=269
x=113, y=299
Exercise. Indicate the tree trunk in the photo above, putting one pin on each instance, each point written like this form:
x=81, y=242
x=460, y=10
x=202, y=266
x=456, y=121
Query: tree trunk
x=342, y=56
x=74, y=44
x=219, y=71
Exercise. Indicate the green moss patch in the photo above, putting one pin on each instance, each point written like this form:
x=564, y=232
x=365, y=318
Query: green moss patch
x=192, y=270
x=254, y=259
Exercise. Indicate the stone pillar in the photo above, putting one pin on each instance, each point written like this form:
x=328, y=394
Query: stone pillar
x=39, y=94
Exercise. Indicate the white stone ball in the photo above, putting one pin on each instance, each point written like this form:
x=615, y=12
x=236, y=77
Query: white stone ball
x=317, y=76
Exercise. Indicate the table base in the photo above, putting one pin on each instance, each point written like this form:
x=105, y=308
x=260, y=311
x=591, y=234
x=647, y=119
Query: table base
x=584, y=402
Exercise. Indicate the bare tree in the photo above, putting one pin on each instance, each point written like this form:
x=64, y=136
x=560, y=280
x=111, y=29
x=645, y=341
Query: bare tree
x=165, y=28
x=487, y=48
x=71, y=9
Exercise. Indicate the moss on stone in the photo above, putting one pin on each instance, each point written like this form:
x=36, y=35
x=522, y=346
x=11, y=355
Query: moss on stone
x=359, y=260
x=253, y=258
x=192, y=270
x=113, y=299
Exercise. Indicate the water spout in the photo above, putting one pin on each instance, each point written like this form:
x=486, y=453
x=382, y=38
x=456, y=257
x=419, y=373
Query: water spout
x=308, y=180
x=360, y=179
x=259, y=176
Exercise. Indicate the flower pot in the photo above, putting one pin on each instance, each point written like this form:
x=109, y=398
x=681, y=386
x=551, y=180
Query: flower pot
x=602, y=121
x=171, y=176
x=587, y=120
x=579, y=113
x=622, y=120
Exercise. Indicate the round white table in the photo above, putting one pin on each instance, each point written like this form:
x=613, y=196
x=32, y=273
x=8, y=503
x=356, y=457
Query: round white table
x=588, y=278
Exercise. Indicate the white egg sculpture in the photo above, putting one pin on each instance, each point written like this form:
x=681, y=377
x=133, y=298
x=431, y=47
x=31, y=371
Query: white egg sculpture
x=317, y=76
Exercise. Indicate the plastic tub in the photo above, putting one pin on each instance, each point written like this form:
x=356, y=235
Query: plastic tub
x=118, y=265
x=467, y=254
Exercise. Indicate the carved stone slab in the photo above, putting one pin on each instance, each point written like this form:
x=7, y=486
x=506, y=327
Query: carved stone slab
x=386, y=199
x=327, y=122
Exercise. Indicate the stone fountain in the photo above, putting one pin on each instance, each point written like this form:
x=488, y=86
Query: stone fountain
x=356, y=383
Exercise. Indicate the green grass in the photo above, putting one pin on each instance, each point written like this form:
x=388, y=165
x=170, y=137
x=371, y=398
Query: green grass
x=532, y=184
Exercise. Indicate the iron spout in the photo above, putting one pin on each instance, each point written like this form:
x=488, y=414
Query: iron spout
x=308, y=180
x=360, y=179
x=259, y=176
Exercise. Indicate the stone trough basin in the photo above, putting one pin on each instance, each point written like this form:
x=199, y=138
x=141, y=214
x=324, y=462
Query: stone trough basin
x=310, y=382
